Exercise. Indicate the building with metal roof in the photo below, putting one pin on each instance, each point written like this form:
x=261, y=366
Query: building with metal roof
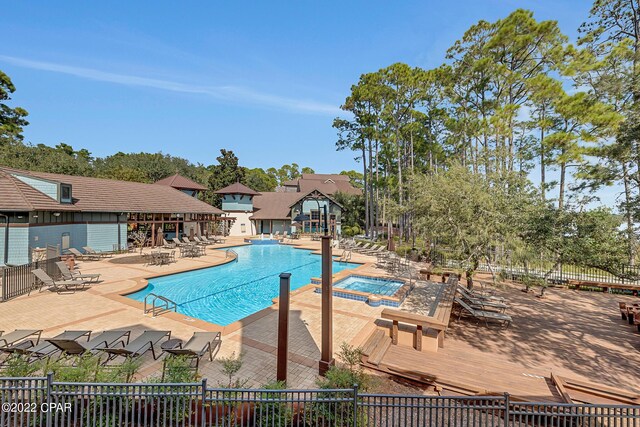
x=41, y=209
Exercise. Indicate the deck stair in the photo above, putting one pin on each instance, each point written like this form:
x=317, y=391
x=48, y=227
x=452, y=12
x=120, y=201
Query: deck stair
x=376, y=347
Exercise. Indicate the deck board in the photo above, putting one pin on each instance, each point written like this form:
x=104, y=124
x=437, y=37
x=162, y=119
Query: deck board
x=470, y=370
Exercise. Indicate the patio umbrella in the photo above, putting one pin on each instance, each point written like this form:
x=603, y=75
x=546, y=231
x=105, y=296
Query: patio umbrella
x=159, y=237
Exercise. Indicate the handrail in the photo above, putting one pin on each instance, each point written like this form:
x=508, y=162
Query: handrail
x=167, y=304
x=346, y=256
x=232, y=253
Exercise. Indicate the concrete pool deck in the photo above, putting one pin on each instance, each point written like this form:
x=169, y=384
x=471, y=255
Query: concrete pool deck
x=576, y=334
x=103, y=307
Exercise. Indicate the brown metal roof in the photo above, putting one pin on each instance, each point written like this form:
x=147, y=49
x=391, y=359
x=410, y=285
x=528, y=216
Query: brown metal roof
x=15, y=195
x=326, y=183
x=327, y=186
x=97, y=195
x=181, y=182
x=325, y=176
x=272, y=205
x=237, y=188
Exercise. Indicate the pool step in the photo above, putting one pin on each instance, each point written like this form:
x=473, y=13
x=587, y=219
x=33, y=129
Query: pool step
x=376, y=347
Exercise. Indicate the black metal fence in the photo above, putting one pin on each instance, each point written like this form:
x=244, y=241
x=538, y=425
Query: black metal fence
x=18, y=280
x=40, y=402
x=560, y=274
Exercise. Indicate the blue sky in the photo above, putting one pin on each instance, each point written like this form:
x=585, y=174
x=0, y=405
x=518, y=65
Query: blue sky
x=264, y=79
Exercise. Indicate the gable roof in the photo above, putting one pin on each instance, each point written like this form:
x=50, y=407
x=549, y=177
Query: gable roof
x=325, y=176
x=277, y=205
x=15, y=195
x=273, y=205
x=237, y=188
x=180, y=182
x=327, y=183
x=96, y=195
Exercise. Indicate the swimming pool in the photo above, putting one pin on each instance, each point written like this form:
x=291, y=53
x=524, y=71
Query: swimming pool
x=230, y=292
x=370, y=285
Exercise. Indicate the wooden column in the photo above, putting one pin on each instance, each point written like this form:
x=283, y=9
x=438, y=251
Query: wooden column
x=327, y=359
x=283, y=327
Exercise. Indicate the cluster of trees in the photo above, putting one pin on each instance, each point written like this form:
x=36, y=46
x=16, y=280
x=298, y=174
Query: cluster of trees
x=450, y=154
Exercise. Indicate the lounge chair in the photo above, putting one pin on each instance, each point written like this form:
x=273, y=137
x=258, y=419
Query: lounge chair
x=99, y=254
x=198, y=345
x=104, y=340
x=177, y=242
x=137, y=347
x=363, y=248
x=76, y=275
x=44, y=348
x=480, y=304
x=168, y=245
x=80, y=255
x=374, y=250
x=201, y=241
x=59, y=286
x=504, y=319
x=480, y=296
x=186, y=240
x=12, y=338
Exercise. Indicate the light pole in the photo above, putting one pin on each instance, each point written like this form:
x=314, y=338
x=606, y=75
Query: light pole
x=6, y=239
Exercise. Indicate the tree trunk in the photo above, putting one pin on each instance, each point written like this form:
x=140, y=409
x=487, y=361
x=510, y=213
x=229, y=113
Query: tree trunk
x=366, y=189
x=631, y=237
x=543, y=184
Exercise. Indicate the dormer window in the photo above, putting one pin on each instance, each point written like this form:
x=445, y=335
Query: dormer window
x=65, y=193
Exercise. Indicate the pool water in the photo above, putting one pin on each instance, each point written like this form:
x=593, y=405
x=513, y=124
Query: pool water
x=230, y=292
x=369, y=285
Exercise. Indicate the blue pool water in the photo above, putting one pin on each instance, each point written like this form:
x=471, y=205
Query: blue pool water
x=369, y=285
x=230, y=292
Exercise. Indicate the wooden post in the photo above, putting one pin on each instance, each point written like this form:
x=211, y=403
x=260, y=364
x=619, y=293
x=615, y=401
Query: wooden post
x=327, y=359
x=283, y=327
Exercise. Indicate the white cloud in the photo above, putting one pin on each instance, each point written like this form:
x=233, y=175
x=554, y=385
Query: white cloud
x=229, y=93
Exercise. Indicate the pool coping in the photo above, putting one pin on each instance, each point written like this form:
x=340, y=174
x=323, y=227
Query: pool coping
x=374, y=300
x=143, y=282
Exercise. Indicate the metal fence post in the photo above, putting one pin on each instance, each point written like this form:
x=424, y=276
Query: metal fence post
x=203, y=414
x=48, y=398
x=4, y=284
x=355, y=405
x=507, y=409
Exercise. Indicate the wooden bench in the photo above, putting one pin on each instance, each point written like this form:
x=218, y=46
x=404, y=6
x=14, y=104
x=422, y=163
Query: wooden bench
x=419, y=321
x=604, y=286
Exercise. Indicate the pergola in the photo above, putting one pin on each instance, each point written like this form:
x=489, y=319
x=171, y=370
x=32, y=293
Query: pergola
x=173, y=223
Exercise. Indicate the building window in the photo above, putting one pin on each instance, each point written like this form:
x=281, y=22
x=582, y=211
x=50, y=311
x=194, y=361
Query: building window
x=65, y=193
x=315, y=214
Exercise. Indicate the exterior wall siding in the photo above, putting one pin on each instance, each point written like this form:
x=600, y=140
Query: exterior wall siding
x=102, y=237
x=237, y=228
x=18, y=245
x=241, y=203
x=48, y=188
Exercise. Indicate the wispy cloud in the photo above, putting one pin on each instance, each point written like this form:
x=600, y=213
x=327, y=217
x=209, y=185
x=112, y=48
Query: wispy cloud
x=229, y=93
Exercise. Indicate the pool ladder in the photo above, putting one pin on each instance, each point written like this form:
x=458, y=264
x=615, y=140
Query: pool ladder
x=346, y=256
x=158, y=304
x=231, y=253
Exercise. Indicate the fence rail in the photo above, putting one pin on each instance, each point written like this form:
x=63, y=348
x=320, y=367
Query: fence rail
x=41, y=402
x=561, y=274
x=18, y=280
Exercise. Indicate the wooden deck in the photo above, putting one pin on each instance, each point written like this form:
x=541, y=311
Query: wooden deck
x=569, y=334
x=459, y=373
